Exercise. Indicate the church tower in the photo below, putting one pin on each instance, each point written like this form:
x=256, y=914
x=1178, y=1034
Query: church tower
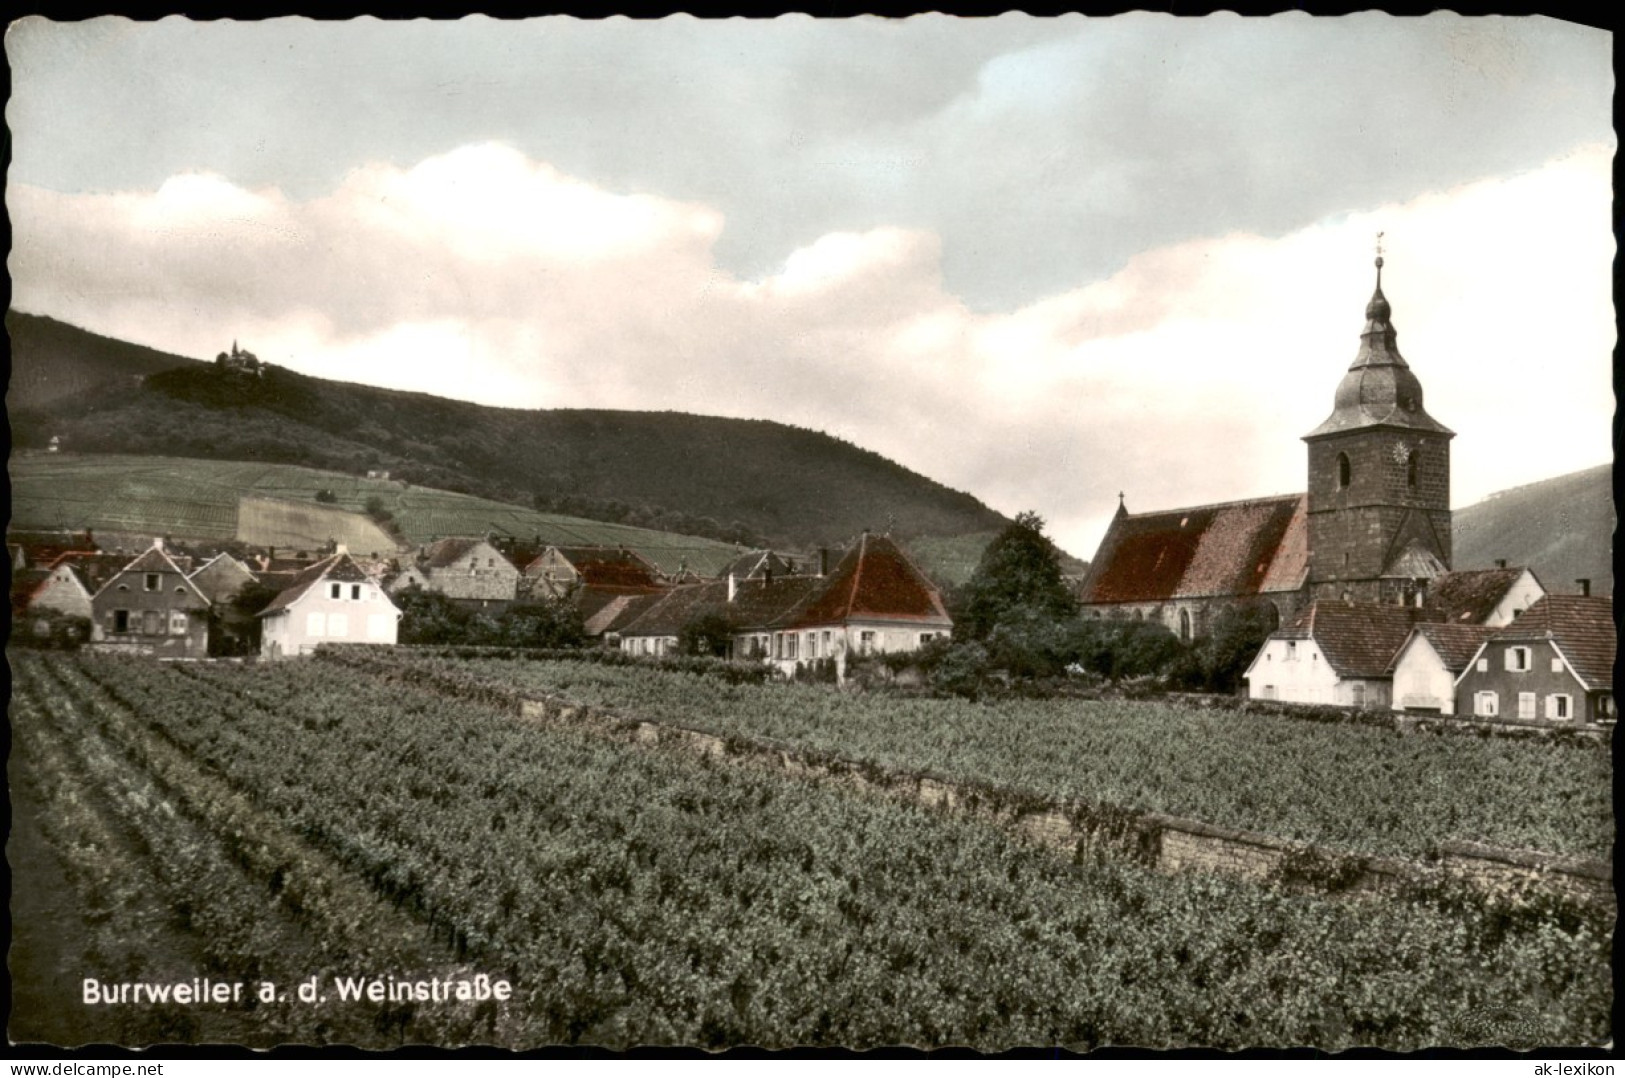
x=1379, y=477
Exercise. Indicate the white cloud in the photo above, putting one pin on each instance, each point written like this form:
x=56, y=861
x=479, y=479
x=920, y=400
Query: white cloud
x=1187, y=376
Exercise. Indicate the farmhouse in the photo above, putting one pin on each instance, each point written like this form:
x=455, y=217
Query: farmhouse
x=875, y=601
x=560, y=571
x=1554, y=665
x=332, y=602
x=1429, y=662
x=1373, y=527
x=1337, y=652
x=468, y=571
x=151, y=608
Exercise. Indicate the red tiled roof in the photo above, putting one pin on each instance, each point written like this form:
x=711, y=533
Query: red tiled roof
x=1582, y=628
x=24, y=584
x=1469, y=596
x=603, y=566
x=1235, y=548
x=339, y=567
x=874, y=580
x=1455, y=644
x=1358, y=639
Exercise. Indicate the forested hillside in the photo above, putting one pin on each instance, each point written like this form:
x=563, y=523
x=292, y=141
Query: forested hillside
x=749, y=481
x=1562, y=528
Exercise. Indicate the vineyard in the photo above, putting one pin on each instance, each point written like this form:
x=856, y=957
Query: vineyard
x=1357, y=788
x=198, y=499
x=309, y=819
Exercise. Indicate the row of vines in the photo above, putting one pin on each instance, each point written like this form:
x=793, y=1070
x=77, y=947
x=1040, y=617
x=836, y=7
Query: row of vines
x=638, y=897
x=1366, y=790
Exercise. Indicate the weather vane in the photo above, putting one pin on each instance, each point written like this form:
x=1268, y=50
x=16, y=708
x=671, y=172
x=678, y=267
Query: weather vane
x=1379, y=249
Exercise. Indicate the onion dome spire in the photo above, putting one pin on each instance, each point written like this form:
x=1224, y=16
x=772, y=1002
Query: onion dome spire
x=1379, y=388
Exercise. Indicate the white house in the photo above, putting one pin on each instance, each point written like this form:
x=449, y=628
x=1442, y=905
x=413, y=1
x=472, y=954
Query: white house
x=1334, y=652
x=1430, y=661
x=332, y=602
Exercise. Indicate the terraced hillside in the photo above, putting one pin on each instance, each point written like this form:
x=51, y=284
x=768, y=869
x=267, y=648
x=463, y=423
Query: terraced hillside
x=200, y=499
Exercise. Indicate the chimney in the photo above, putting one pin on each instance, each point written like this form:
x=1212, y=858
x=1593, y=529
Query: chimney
x=1500, y=563
x=733, y=585
x=823, y=561
x=157, y=543
x=340, y=548
x=767, y=576
x=1585, y=585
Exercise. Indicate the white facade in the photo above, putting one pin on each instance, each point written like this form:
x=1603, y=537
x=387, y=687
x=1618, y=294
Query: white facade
x=330, y=612
x=1519, y=597
x=1422, y=681
x=1294, y=671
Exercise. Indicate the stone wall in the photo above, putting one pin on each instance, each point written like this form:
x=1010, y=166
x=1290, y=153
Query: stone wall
x=1159, y=841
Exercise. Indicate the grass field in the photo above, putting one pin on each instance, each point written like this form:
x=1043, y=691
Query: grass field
x=282, y=821
x=198, y=499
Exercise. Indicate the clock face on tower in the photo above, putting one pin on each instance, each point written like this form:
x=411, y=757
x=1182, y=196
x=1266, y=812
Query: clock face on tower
x=1401, y=452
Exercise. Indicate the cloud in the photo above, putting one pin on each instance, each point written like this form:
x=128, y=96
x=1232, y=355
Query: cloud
x=1187, y=376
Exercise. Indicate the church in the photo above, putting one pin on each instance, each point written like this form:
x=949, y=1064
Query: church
x=1372, y=528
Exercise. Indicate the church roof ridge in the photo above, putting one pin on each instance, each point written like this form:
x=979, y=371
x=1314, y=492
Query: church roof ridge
x=1205, y=506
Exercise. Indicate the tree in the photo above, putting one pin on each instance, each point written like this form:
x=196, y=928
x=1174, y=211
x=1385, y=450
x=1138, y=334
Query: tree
x=1020, y=571
x=706, y=634
x=1224, y=653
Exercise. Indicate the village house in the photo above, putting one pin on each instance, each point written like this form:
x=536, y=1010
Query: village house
x=1554, y=665
x=875, y=601
x=1334, y=652
x=560, y=571
x=151, y=607
x=1372, y=528
x=40, y=598
x=1429, y=662
x=470, y=572
x=333, y=601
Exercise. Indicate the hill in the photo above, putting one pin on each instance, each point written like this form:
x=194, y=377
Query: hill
x=749, y=481
x=276, y=503
x=52, y=361
x=1562, y=528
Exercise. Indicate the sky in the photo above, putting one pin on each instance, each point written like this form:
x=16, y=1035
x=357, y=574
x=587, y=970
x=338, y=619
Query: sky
x=1041, y=260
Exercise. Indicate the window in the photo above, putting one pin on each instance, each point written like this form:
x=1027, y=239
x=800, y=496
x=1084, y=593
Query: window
x=152, y=622
x=828, y=647
x=790, y=646
x=177, y=623
x=335, y=591
x=926, y=638
x=1185, y=625
x=154, y=581
x=1518, y=659
x=1357, y=694
x=1344, y=471
x=355, y=591
x=866, y=643
x=1557, y=666
x=1291, y=651
x=1411, y=468
x=1559, y=705
x=121, y=621
x=1526, y=705
x=1605, y=708
x=1486, y=703
x=315, y=624
x=1483, y=666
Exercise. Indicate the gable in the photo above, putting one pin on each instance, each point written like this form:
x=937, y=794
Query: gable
x=874, y=580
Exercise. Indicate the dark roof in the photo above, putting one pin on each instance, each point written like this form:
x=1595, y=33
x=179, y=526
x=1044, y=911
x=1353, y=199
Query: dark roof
x=619, y=612
x=221, y=577
x=758, y=605
x=607, y=566
x=1379, y=389
x=95, y=569
x=339, y=567
x=1358, y=639
x=1469, y=596
x=875, y=580
x=154, y=560
x=1582, y=627
x=1455, y=644
x=757, y=563
x=444, y=552
x=1229, y=549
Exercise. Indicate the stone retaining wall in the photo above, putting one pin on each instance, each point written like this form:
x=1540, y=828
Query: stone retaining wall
x=1167, y=843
